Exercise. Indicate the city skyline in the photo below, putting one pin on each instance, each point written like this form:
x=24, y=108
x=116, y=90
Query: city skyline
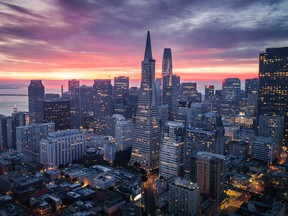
x=97, y=40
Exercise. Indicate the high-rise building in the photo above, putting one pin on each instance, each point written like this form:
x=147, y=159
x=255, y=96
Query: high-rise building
x=251, y=86
x=20, y=119
x=35, y=100
x=189, y=92
x=231, y=88
x=121, y=90
x=205, y=134
x=207, y=170
x=238, y=149
x=146, y=143
x=124, y=130
x=209, y=91
x=184, y=198
x=170, y=84
x=167, y=62
x=111, y=122
x=72, y=85
x=57, y=111
x=102, y=104
x=7, y=132
x=109, y=150
x=273, y=85
x=28, y=137
x=132, y=102
x=163, y=115
x=171, y=150
x=271, y=126
x=171, y=93
x=62, y=147
x=83, y=103
x=158, y=86
x=252, y=102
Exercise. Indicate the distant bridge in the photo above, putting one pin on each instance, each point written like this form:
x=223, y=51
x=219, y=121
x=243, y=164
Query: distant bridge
x=13, y=94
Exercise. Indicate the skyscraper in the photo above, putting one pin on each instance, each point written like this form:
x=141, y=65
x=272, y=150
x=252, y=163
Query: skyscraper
x=35, y=99
x=171, y=150
x=231, y=90
x=167, y=62
x=207, y=170
x=72, y=84
x=251, y=86
x=102, y=103
x=7, y=134
x=206, y=134
x=124, y=134
x=57, y=111
x=273, y=85
x=171, y=92
x=209, y=91
x=28, y=137
x=133, y=98
x=189, y=92
x=83, y=102
x=145, y=149
x=121, y=90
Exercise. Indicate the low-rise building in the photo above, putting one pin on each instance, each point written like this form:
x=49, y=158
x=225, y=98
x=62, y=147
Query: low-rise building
x=265, y=149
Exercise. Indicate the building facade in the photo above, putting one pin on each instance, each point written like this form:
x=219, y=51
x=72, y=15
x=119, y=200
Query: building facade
x=58, y=112
x=102, y=104
x=28, y=137
x=265, y=149
x=146, y=143
x=231, y=90
x=206, y=134
x=121, y=91
x=209, y=92
x=207, y=170
x=184, y=198
x=62, y=147
x=171, y=150
x=273, y=85
x=35, y=100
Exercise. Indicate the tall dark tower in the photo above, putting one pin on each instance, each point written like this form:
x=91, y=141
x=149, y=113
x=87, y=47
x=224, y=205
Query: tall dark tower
x=57, y=111
x=171, y=83
x=273, y=85
x=121, y=90
x=167, y=62
x=145, y=149
x=102, y=104
x=36, y=98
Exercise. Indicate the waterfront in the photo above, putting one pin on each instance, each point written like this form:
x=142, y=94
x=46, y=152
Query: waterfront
x=7, y=103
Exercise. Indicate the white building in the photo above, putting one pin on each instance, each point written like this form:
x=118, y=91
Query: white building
x=124, y=134
x=62, y=147
x=28, y=137
x=265, y=148
x=171, y=150
x=184, y=197
x=110, y=148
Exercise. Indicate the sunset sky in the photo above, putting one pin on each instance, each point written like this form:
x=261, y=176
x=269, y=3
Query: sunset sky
x=92, y=39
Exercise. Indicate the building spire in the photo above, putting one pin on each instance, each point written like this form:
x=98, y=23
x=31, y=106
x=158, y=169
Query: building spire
x=148, y=49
